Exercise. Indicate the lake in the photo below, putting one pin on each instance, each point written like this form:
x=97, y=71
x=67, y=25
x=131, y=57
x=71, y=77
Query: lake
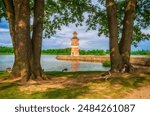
x=50, y=63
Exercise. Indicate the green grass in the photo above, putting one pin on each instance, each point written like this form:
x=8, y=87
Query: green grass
x=80, y=85
x=71, y=74
x=3, y=74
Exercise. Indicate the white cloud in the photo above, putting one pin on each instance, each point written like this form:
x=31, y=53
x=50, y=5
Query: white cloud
x=88, y=40
x=62, y=39
x=146, y=31
x=6, y=44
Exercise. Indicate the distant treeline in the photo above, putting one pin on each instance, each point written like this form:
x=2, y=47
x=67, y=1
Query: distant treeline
x=94, y=52
x=6, y=50
x=66, y=51
x=141, y=52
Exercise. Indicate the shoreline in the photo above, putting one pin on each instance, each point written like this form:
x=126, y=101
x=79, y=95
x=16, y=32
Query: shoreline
x=136, y=60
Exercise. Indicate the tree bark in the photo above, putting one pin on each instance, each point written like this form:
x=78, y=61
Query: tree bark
x=22, y=31
x=10, y=11
x=115, y=57
x=127, y=33
x=11, y=17
x=37, y=37
x=27, y=50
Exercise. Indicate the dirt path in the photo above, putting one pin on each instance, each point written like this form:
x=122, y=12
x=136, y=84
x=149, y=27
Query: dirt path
x=141, y=93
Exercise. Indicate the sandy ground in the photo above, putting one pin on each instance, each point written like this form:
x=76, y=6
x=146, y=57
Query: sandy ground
x=141, y=93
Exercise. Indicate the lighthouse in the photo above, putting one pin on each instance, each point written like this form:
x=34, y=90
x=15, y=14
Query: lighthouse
x=75, y=45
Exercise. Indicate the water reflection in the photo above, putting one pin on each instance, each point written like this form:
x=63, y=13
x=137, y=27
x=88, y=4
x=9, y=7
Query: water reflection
x=75, y=66
x=50, y=63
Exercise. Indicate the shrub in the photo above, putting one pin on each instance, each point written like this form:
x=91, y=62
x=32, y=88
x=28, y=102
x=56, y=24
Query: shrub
x=106, y=64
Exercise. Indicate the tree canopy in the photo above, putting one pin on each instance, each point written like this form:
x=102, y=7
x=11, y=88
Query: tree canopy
x=2, y=9
x=63, y=12
x=93, y=13
x=97, y=20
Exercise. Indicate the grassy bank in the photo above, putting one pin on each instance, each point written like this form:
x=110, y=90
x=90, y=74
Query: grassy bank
x=74, y=85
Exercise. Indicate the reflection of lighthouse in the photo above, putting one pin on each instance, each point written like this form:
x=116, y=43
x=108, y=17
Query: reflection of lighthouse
x=75, y=66
x=75, y=45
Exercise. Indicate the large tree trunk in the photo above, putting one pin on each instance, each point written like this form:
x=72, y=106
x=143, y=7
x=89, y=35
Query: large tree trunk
x=127, y=33
x=27, y=50
x=22, y=37
x=115, y=57
x=10, y=11
x=11, y=17
x=37, y=37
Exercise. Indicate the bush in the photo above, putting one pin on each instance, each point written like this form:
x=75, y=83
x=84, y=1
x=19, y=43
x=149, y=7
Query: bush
x=106, y=64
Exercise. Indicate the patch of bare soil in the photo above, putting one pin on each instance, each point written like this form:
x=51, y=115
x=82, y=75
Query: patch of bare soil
x=141, y=93
x=35, y=86
x=57, y=83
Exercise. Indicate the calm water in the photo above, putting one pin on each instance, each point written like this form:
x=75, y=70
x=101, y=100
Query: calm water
x=50, y=63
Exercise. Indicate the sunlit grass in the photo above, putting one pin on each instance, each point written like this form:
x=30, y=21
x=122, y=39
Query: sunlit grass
x=3, y=74
x=82, y=85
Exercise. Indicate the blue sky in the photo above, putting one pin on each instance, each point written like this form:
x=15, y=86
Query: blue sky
x=88, y=40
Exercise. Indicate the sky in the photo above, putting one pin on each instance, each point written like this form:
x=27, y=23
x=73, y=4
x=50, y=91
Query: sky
x=62, y=39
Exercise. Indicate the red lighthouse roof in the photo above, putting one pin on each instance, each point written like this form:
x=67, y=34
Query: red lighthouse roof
x=75, y=35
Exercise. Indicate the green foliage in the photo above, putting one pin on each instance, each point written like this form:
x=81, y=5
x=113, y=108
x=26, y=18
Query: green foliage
x=106, y=64
x=2, y=9
x=63, y=12
x=66, y=51
x=141, y=52
x=98, y=19
x=93, y=13
x=6, y=50
x=92, y=52
x=107, y=52
x=142, y=21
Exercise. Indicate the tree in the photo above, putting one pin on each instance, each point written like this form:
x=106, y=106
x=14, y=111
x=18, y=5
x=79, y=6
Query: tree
x=126, y=20
x=120, y=54
x=27, y=49
x=127, y=33
x=115, y=57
